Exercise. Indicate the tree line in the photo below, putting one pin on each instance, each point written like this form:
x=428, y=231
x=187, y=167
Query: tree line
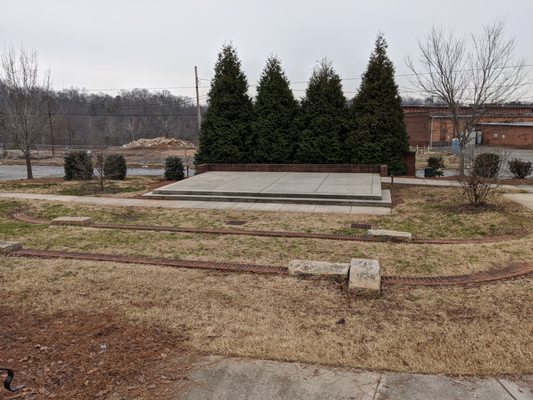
x=324, y=127
x=74, y=117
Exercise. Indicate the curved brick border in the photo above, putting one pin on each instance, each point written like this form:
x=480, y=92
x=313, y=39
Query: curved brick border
x=167, y=262
x=279, y=234
x=512, y=271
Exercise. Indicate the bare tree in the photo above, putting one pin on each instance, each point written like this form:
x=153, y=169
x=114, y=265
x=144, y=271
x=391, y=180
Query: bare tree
x=478, y=185
x=26, y=100
x=130, y=124
x=478, y=76
x=100, y=174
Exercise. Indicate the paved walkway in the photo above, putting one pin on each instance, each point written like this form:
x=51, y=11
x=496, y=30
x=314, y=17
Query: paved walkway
x=526, y=199
x=213, y=205
x=218, y=378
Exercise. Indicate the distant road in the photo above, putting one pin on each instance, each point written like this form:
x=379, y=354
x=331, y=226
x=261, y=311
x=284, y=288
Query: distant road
x=12, y=172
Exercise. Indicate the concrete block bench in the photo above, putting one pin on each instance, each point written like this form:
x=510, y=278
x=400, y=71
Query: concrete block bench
x=8, y=247
x=365, y=276
x=337, y=271
x=393, y=236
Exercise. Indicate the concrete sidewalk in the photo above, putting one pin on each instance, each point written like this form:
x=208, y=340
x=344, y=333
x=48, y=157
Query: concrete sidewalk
x=210, y=205
x=447, y=183
x=218, y=378
x=526, y=199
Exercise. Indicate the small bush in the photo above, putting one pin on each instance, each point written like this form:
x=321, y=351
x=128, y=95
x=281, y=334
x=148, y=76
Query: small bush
x=437, y=164
x=78, y=166
x=486, y=165
x=520, y=169
x=115, y=167
x=174, y=169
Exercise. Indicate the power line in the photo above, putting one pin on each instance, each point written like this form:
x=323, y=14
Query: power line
x=124, y=115
x=130, y=89
x=292, y=82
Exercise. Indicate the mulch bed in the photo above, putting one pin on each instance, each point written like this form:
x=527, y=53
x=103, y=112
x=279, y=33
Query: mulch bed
x=90, y=356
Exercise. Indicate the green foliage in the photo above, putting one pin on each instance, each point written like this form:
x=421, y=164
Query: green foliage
x=322, y=120
x=486, y=165
x=377, y=129
x=520, y=169
x=174, y=169
x=225, y=136
x=78, y=166
x=115, y=167
x=437, y=164
x=275, y=112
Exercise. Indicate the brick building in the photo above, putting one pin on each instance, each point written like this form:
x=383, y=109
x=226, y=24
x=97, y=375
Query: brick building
x=504, y=126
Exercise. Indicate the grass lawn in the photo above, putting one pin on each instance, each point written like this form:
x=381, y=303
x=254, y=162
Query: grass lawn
x=478, y=330
x=456, y=330
x=426, y=212
x=130, y=187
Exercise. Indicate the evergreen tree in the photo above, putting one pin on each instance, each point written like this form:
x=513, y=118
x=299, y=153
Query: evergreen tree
x=378, y=134
x=322, y=121
x=226, y=126
x=275, y=113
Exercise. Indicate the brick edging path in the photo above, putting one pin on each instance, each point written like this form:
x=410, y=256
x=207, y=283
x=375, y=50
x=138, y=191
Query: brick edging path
x=512, y=271
x=279, y=234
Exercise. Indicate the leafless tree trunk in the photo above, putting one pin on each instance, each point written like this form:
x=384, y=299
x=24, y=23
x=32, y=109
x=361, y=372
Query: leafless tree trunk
x=480, y=76
x=100, y=171
x=26, y=99
x=130, y=125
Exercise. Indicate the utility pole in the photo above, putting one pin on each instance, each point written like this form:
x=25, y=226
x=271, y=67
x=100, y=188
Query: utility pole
x=198, y=110
x=51, y=127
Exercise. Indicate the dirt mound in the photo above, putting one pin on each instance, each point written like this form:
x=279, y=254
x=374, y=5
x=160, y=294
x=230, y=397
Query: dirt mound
x=160, y=142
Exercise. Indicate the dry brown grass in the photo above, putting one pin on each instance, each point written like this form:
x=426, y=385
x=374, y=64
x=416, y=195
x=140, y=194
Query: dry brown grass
x=395, y=259
x=424, y=211
x=130, y=187
x=478, y=330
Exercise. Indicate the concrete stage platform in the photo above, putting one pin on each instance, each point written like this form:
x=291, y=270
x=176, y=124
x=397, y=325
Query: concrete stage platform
x=309, y=188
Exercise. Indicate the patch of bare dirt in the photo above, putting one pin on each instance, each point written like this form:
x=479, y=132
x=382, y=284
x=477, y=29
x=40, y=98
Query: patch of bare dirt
x=90, y=356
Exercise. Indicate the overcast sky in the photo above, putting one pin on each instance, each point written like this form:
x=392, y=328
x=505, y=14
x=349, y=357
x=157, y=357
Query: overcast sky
x=97, y=44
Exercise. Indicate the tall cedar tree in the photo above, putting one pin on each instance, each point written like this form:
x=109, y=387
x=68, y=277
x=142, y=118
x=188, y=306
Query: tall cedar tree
x=322, y=121
x=275, y=113
x=225, y=133
x=378, y=134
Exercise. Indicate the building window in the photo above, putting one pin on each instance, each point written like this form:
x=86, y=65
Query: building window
x=495, y=136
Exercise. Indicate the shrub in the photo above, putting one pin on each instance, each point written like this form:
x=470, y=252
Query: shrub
x=520, y=169
x=437, y=164
x=78, y=166
x=115, y=167
x=174, y=169
x=486, y=165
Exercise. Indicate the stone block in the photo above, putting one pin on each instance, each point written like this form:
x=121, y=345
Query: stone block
x=365, y=277
x=337, y=271
x=394, y=236
x=8, y=247
x=72, y=221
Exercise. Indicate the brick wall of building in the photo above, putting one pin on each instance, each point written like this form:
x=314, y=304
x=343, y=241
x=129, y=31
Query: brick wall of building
x=511, y=136
x=431, y=125
x=375, y=168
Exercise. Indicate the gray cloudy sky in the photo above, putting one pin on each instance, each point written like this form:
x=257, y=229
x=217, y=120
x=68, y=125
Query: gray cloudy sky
x=128, y=43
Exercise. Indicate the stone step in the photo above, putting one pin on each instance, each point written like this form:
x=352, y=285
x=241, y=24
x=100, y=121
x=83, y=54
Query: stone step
x=385, y=200
x=173, y=192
